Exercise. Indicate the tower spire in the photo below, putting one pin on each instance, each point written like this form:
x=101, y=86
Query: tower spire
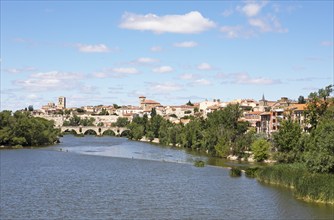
x=263, y=97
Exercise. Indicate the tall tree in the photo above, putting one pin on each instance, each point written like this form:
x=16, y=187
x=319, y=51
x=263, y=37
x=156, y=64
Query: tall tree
x=317, y=105
x=301, y=100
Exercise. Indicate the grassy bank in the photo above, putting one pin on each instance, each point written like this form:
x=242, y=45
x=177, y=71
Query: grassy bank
x=307, y=186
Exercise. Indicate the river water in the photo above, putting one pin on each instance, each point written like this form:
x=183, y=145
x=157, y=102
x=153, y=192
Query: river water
x=114, y=178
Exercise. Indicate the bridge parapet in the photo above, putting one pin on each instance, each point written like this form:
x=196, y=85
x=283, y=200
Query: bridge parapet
x=99, y=130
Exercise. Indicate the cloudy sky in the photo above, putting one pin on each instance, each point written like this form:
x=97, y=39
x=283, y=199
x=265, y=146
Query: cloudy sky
x=105, y=52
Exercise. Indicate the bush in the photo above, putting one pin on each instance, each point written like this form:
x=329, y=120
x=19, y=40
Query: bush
x=260, y=148
x=199, y=163
x=308, y=186
x=235, y=172
x=251, y=172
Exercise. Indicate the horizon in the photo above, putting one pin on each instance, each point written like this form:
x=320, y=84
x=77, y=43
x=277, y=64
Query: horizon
x=112, y=52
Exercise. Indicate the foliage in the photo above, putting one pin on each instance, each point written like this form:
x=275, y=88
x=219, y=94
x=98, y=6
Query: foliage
x=251, y=172
x=308, y=186
x=235, y=172
x=77, y=121
x=220, y=134
x=260, y=149
x=80, y=110
x=287, y=141
x=301, y=100
x=121, y=122
x=317, y=105
x=199, y=163
x=319, y=155
x=189, y=103
x=116, y=106
x=104, y=112
x=21, y=128
x=153, y=112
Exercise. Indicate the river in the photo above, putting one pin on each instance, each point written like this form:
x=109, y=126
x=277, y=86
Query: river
x=115, y=178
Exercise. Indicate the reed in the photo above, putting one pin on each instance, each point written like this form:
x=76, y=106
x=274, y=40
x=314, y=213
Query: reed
x=235, y=172
x=307, y=186
x=251, y=172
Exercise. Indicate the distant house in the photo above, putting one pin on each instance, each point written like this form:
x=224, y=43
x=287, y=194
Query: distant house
x=147, y=105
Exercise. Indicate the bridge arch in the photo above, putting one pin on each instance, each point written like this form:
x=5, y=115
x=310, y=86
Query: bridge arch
x=124, y=132
x=109, y=132
x=90, y=132
x=118, y=131
x=71, y=130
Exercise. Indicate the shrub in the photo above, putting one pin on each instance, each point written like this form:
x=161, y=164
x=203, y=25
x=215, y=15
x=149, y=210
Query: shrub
x=308, y=186
x=235, y=172
x=199, y=163
x=260, y=148
x=251, y=172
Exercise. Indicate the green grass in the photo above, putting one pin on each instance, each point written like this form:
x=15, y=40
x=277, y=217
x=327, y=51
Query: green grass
x=251, y=172
x=307, y=186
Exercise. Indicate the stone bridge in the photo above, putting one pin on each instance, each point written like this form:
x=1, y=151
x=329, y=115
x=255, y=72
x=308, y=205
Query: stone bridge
x=99, y=130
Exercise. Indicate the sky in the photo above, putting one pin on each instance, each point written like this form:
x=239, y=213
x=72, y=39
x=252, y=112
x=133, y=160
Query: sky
x=112, y=52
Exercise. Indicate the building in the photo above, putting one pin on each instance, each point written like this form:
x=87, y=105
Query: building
x=61, y=102
x=147, y=105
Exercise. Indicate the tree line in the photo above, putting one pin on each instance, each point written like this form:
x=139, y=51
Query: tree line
x=22, y=129
x=222, y=134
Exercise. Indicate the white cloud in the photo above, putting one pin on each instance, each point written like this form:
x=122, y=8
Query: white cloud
x=252, y=9
x=202, y=82
x=204, y=66
x=53, y=80
x=267, y=24
x=227, y=12
x=186, y=44
x=116, y=72
x=156, y=49
x=245, y=78
x=125, y=70
x=190, y=23
x=100, y=75
x=98, y=48
x=188, y=76
x=20, y=70
x=163, y=69
x=165, y=87
x=146, y=60
x=236, y=32
x=32, y=96
x=327, y=43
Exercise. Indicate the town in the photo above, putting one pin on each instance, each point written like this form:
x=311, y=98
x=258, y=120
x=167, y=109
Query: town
x=263, y=115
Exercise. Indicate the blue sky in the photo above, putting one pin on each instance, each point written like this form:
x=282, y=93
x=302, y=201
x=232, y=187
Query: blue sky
x=105, y=52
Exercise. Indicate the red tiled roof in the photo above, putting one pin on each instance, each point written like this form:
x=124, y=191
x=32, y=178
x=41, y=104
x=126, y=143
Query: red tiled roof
x=150, y=102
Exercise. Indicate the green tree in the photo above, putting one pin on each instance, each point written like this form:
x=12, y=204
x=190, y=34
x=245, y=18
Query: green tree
x=23, y=129
x=104, y=112
x=260, y=149
x=136, y=131
x=122, y=122
x=189, y=103
x=301, y=100
x=319, y=155
x=153, y=112
x=287, y=141
x=317, y=105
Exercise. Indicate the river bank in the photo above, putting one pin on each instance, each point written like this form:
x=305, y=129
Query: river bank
x=310, y=187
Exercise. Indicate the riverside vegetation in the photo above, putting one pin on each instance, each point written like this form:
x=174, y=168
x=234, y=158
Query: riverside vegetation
x=306, y=157
x=21, y=129
x=305, y=160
